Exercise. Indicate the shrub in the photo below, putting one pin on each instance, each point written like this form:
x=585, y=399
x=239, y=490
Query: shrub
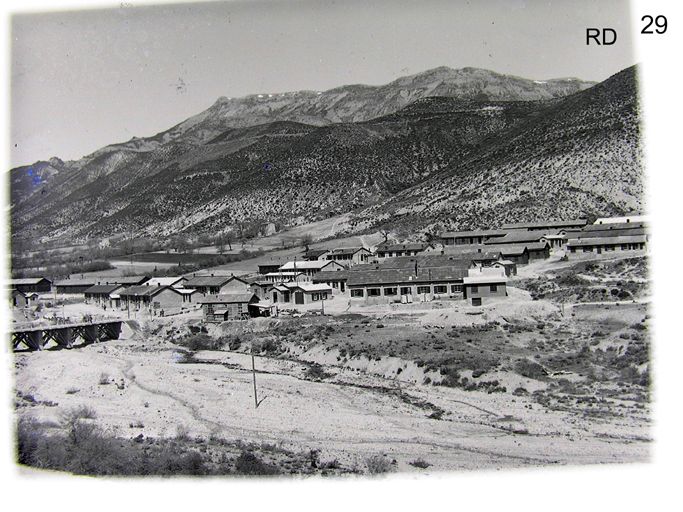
x=317, y=372
x=420, y=463
x=520, y=392
x=249, y=464
x=530, y=369
x=182, y=433
x=72, y=391
x=82, y=412
x=104, y=379
x=377, y=464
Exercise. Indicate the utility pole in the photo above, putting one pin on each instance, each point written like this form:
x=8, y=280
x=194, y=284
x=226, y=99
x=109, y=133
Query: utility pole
x=253, y=373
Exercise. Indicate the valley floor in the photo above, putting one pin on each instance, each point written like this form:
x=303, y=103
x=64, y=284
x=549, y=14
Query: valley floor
x=348, y=417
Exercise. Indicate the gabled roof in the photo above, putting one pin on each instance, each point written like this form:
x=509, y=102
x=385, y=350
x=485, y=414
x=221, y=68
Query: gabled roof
x=308, y=265
x=231, y=298
x=165, y=281
x=385, y=247
x=409, y=262
x=515, y=237
x=512, y=249
x=474, y=233
x=607, y=241
x=406, y=276
x=547, y=224
x=77, y=282
x=331, y=275
x=606, y=231
x=346, y=250
x=308, y=287
x=103, y=288
x=474, y=253
x=144, y=291
x=315, y=253
x=132, y=280
x=27, y=281
x=198, y=281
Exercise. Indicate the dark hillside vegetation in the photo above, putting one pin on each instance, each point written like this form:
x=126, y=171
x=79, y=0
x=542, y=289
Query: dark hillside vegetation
x=293, y=157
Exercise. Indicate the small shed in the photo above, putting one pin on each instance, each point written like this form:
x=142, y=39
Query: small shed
x=230, y=306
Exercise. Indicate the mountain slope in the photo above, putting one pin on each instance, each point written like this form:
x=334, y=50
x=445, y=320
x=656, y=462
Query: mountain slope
x=580, y=156
x=464, y=159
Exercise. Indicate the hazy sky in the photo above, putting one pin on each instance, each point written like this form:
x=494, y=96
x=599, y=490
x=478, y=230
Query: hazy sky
x=85, y=78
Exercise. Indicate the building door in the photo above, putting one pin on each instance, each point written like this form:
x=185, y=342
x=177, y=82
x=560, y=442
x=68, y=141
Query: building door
x=274, y=296
x=298, y=297
x=342, y=287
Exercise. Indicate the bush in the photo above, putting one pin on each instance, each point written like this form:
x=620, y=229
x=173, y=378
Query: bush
x=201, y=341
x=104, y=379
x=530, y=369
x=377, y=464
x=317, y=372
x=420, y=463
x=249, y=464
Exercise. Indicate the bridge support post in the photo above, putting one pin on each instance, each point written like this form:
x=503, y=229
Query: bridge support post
x=91, y=334
x=63, y=337
x=36, y=340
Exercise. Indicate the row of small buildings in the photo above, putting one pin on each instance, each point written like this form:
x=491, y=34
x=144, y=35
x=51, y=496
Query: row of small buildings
x=541, y=238
x=467, y=265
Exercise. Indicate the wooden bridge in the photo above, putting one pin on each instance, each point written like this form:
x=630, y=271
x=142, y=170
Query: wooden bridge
x=35, y=338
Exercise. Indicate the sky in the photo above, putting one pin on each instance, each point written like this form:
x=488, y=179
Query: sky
x=82, y=78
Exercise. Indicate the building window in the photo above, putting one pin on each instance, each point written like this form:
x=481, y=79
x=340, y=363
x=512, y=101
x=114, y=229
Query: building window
x=494, y=287
x=424, y=289
x=475, y=289
x=588, y=248
x=356, y=293
x=315, y=296
x=441, y=289
x=456, y=288
x=390, y=291
x=406, y=290
x=373, y=292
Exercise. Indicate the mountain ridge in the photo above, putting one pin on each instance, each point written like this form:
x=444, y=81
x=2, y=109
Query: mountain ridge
x=205, y=175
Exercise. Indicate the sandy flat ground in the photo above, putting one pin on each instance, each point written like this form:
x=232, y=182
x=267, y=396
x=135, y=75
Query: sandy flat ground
x=347, y=418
